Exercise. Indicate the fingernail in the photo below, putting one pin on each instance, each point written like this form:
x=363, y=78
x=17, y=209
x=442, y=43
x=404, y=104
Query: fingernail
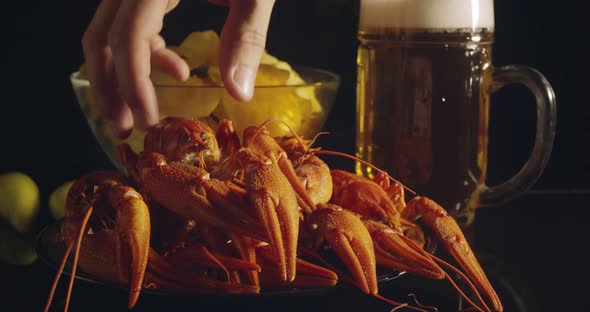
x=244, y=79
x=124, y=133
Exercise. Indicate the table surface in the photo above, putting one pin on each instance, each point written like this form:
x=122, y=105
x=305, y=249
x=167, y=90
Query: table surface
x=532, y=249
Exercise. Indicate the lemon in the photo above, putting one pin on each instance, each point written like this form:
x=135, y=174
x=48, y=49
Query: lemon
x=57, y=200
x=19, y=200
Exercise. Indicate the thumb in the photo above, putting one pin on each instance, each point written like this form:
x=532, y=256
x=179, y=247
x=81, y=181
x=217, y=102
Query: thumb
x=242, y=42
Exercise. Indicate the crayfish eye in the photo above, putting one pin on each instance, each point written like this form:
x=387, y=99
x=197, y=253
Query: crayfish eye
x=186, y=138
x=91, y=189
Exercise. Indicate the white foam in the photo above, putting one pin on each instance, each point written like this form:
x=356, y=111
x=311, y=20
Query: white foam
x=431, y=14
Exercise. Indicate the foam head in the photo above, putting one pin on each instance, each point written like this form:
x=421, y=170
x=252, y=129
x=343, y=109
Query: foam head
x=426, y=14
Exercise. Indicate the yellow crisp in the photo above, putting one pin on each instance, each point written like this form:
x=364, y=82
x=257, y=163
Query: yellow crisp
x=200, y=48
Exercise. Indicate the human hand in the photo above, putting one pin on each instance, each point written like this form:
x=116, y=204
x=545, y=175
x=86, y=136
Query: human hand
x=122, y=42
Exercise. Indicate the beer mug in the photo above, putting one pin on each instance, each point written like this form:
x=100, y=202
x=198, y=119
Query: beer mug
x=425, y=75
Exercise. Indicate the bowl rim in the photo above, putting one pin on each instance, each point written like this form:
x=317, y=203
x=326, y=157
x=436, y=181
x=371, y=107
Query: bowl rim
x=331, y=78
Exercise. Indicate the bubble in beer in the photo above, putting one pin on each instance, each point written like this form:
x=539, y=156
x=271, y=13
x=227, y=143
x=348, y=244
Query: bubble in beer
x=430, y=14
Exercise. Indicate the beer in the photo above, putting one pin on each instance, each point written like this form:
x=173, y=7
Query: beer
x=424, y=72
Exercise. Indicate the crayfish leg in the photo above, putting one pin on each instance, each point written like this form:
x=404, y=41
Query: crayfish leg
x=309, y=275
x=128, y=158
x=227, y=138
x=164, y=275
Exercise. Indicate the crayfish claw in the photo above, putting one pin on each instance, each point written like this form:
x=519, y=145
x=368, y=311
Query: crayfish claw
x=116, y=250
x=350, y=239
x=133, y=228
x=448, y=232
x=276, y=206
x=392, y=251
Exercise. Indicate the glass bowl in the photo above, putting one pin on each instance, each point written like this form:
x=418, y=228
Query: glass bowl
x=304, y=107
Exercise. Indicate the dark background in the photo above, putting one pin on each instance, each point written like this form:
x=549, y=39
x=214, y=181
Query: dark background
x=43, y=134
x=43, y=47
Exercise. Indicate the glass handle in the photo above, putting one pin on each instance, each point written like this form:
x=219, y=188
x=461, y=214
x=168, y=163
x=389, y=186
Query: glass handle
x=546, y=118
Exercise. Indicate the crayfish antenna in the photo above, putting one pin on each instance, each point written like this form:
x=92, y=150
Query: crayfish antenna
x=366, y=163
x=398, y=305
x=315, y=138
x=76, y=255
x=58, y=274
x=334, y=153
x=454, y=269
x=78, y=242
x=469, y=283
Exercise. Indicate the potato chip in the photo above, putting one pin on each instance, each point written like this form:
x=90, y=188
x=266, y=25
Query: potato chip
x=185, y=98
x=293, y=79
x=280, y=103
x=269, y=75
x=282, y=95
x=214, y=75
x=268, y=59
x=200, y=48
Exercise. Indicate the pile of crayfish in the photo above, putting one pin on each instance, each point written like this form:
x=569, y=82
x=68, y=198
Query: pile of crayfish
x=200, y=212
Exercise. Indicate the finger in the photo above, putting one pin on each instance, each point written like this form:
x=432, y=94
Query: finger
x=242, y=43
x=118, y=116
x=136, y=22
x=167, y=60
x=98, y=59
x=171, y=5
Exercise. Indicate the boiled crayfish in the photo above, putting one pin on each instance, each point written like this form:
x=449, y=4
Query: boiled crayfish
x=214, y=214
